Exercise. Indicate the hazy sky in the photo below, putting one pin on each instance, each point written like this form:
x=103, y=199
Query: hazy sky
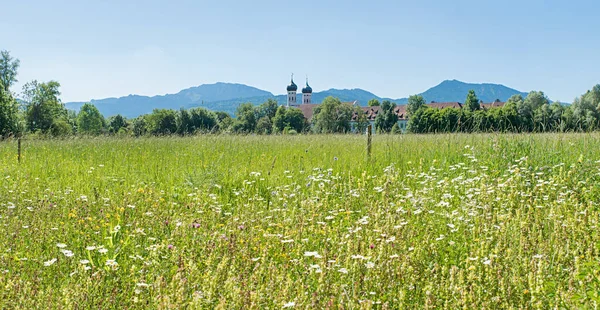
x=393, y=48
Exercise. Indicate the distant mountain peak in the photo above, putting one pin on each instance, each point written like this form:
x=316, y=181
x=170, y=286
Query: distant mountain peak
x=456, y=91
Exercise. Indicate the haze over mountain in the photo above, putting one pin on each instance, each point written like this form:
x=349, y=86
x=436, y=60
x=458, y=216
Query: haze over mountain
x=228, y=96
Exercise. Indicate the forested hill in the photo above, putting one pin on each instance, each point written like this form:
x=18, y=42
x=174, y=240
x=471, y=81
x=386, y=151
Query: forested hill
x=228, y=96
x=453, y=90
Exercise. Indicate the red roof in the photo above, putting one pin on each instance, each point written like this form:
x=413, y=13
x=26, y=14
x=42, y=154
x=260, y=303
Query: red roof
x=372, y=112
x=443, y=105
x=308, y=109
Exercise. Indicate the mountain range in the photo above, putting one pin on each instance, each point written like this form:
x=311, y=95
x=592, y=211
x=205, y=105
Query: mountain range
x=228, y=96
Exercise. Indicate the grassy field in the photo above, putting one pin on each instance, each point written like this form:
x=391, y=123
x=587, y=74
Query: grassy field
x=440, y=221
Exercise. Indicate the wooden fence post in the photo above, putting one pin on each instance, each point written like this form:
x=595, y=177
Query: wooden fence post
x=19, y=150
x=369, y=130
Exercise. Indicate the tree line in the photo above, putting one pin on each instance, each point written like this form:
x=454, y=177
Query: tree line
x=534, y=113
x=41, y=112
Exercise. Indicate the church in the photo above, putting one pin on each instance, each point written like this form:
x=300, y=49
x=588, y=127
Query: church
x=291, y=94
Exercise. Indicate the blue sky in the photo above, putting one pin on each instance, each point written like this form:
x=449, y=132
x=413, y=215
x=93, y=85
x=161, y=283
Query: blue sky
x=393, y=48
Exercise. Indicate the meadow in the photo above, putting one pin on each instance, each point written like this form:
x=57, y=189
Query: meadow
x=308, y=222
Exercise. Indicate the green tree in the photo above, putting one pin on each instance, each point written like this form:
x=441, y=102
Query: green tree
x=9, y=113
x=8, y=70
x=536, y=99
x=584, y=115
x=387, y=118
x=480, y=121
x=268, y=109
x=89, y=120
x=594, y=96
x=72, y=120
x=449, y=120
x=556, y=116
x=510, y=114
x=203, y=120
x=223, y=121
x=472, y=102
x=245, y=119
x=417, y=123
x=117, y=123
x=43, y=107
x=527, y=108
x=140, y=126
x=396, y=129
x=290, y=118
x=332, y=116
x=374, y=103
x=264, y=126
x=162, y=122
x=295, y=120
x=495, y=118
x=184, y=122
x=542, y=118
x=415, y=102
x=361, y=121
x=265, y=113
x=344, y=118
x=221, y=116
x=61, y=127
x=279, y=120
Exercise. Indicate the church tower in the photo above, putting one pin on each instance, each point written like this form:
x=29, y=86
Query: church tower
x=291, y=92
x=306, y=94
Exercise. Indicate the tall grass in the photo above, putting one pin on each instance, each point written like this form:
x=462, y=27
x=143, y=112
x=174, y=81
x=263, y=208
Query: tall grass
x=445, y=221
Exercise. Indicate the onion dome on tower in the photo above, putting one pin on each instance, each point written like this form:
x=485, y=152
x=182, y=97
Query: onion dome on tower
x=292, y=86
x=307, y=89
